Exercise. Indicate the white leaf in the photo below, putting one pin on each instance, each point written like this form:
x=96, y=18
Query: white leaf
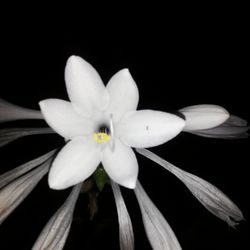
x=24, y=168
x=210, y=197
x=160, y=234
x=55, y=233
x=10, y=134
x=11, y=112
x=125, y=226
x=15, y=192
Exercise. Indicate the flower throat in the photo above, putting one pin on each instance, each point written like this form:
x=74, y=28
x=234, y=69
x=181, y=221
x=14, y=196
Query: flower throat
x=103, y=134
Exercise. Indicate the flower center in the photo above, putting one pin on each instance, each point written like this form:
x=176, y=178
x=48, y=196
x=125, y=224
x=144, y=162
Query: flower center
x=102, y=135
x=106, y=134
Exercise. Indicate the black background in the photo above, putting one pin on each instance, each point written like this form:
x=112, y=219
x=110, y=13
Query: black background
x=178, y=57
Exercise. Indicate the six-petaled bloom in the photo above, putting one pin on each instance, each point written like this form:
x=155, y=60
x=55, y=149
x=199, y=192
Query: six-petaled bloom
x=101, y=125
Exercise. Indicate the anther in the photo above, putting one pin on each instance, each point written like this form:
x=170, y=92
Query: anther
x=112, y=132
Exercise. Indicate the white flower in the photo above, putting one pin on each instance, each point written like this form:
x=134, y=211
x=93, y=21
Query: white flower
x=102, y=125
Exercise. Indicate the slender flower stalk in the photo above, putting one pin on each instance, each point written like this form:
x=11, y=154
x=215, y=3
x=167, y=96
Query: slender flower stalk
x=55, y=233
x=210, y=197
x=126, y=234
x=159, y=233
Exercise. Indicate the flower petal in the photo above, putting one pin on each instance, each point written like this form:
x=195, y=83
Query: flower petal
x=14, y=193
x=74, y=163
x=61, y=116
x=124, y=94
x=13, y=174
x=148, y=128
x=203, y=116
x=121, y=164
x=11, y=112
x=160, y=234
x=126, y=234
x=210, y=197
x=56, y=230
x=85, y=87
x=11, y=134
x=233, y=128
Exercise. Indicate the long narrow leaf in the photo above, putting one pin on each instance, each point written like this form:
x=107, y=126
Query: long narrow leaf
x=11, y=112
x=210, y=196
x=125, y=226
x=56, y=230
x=160, y=234
x=10, y=134
x=24, y=168
x=14, y=193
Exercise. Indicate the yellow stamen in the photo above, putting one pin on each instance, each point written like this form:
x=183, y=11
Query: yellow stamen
x=101, y=137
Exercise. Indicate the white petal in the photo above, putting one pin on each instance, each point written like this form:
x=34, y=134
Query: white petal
x=126, y=234
x=121, y=164
x=124, y=94
x=56, y=230
x=13, y=174
x=75, y=162
x=210, y=196
x=15, y=192
x=204, y=116
x=85, y=87
x=11, y=134
x=160, y=234
x=11, y=112
x=61, y=117
x=148, y=128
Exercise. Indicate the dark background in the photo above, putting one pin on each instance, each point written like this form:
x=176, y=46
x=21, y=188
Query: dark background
x=180, y=57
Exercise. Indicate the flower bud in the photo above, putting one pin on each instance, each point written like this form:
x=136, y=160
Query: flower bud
x=200, y=117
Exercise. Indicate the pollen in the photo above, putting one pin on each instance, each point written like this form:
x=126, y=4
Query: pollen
x=101, y=137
